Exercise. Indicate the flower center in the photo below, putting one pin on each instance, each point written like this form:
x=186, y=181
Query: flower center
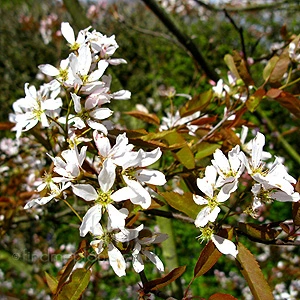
x=206, y=233
x=104, y=198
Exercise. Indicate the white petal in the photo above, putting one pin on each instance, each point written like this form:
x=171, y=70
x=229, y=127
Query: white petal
x=97, y=126
x=137, y=263
x=117, y=217
x=68, y=32
x=123, y=194
x=154, y=259
x=101, y=113
x=102, y=143
x=90, y=221
x=107, y=175
x=199, y=200
x=151, y=176
x=150, y=157
x=224, y=246
x=76, y=100
x=85, y=191
x=116, y=260
x=49, y=70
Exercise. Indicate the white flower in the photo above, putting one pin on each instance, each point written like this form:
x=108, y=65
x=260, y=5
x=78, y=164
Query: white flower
x=34, y=107
x=90, y=113
x=229, y=169
x=137, y=260
x=56, y=192
x=224, y=245
x=106, y=239
x=64, y=74
x=135, y=174
x=212, y=198
x=103, y=198
x=70, y=162
x=68, y=33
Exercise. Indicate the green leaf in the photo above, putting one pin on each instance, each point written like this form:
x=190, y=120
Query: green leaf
x=254, y=100
x=157, y=284
x=52, y=282
x=231, y=65
x=183, y=203
x=186, y=157
x=270, y=67
x=205, y=149
x=280, y=67
x=253, y=274
x=74, y=288
x=207, y=259
x=259, y=232
x=197, y=103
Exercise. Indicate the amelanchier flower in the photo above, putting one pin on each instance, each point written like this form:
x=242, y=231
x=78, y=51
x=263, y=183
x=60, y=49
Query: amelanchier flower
x=143, y=241
x=105, y=239
x=230, y=169
x=103, y=198
x=34, y=108
x=213, y=197
x=69, y=164
x=135, y=174
x=90, y=114
x=225, y=246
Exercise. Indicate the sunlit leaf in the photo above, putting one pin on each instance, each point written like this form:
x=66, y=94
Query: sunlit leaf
x=205, y=149
x=231, y=65
x=52, y=282
x=197, y=103
x=259, y=232
x=253, y=274
x=158, y=284
x=183, y=203
x=74, y=288
x=68, y=267
x=269, y=67
x=146, y=117
x=207, y=259
x=186, y=157
x=253, y=102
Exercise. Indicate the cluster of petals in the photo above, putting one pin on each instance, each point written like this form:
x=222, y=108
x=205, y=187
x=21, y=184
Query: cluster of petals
x=221, y=179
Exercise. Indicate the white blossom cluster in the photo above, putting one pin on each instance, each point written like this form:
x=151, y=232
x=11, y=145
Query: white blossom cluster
x=122, y=172
x=221, y=180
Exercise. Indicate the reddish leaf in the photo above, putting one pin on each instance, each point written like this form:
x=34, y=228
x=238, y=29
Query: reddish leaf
x=259, y=232
x=204, y=120
x=6, y=125
x=274, y=93
x=269, y=67
x=241, y=67
x=207, y=259
x=220, y=296
x=288, y=101
x=296, y=213
x=157, y=284
x=253, y=274
x=146, y=117
x=280, y=67
x=197, y=103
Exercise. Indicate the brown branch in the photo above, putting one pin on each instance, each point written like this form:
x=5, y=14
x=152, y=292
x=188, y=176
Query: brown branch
x=169, y=215
x=185, y=40
x=248, y=8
